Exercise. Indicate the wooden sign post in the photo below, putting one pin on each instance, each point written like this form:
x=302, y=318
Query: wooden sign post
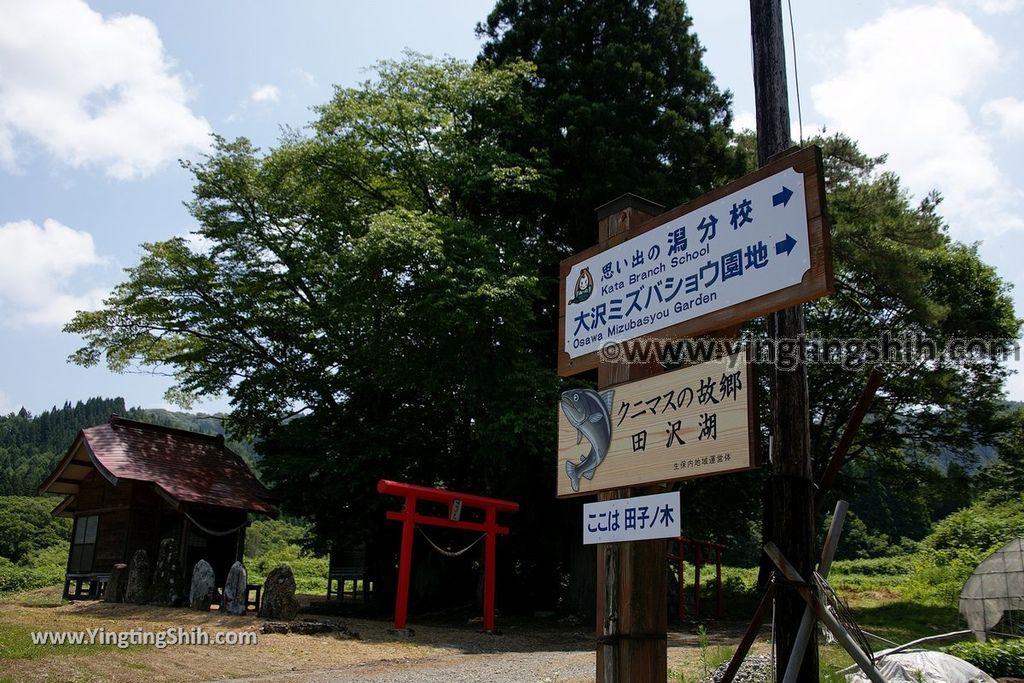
x=755, y=246
x=632, y=578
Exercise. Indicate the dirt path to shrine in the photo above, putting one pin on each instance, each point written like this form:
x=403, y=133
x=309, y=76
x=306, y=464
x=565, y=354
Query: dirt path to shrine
x=532, y=651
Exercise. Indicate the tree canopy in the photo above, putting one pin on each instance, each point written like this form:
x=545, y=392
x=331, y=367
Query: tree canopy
x=900, y=275
x=365, y=295
x=622, y=103
x=26, y=526
x=372, y=296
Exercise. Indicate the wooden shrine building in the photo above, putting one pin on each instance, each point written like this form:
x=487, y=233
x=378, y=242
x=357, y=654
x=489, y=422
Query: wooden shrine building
x=129, y=485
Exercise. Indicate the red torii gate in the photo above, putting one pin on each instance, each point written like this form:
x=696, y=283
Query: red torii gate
x=698, y=561
x=410, y=517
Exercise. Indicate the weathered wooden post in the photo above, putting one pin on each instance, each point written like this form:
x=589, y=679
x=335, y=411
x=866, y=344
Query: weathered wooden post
x=791, y=489
x=632, y=578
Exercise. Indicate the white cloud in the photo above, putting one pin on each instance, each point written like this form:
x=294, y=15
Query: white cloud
x=902, y=92
x=265, y=93
x=91, y=90
x=744, y=120
x=1015, y=383
x=1007, y=113
x=37, y=264
x=993, y=6
x=304, y=76
x=197, y=243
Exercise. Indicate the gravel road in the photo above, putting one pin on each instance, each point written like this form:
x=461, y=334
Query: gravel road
x=454, y=655
x=532, y=667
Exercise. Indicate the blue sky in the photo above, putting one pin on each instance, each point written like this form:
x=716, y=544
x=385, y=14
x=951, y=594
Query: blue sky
x=99, y=99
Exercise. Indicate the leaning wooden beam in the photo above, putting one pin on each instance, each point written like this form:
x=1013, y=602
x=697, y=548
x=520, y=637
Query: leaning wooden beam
x=803, y=634
x=750, y=635
x=838, y=458
x=841, y=634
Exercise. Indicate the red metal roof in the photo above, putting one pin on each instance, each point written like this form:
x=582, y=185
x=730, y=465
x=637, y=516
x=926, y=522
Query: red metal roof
x=186, y=466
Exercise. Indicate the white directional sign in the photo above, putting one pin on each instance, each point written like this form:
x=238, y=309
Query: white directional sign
x=746, y=244
x=631, y=519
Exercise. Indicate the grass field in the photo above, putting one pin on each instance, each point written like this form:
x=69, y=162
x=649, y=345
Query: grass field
x=872, y=588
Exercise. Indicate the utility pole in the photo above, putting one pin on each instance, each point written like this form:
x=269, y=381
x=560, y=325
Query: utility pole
x=791, y=491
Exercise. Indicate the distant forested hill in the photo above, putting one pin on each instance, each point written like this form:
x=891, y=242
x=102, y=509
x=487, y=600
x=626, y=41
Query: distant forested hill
x=30, y=445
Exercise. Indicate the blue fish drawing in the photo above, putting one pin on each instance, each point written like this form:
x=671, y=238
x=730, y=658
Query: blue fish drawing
x=591, y=414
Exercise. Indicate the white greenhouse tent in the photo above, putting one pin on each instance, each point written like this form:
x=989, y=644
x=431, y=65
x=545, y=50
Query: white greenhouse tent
x=992, y=600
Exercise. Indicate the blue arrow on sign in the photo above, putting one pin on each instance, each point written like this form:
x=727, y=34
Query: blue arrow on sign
x=785, y=245
x=782, y=197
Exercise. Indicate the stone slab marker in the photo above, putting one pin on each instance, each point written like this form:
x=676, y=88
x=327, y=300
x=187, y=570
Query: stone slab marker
x=236, y=591
x=139, y=575
x=203, y=590
x=279, y=595
x=168, y=578
x=116, y=584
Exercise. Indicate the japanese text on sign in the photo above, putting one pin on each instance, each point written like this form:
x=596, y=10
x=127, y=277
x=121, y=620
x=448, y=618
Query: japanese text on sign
x=631, y=519
x=751, y=242
x=690, y=422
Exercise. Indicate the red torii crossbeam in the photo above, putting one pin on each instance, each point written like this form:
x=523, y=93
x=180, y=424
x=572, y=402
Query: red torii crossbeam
x=410, y=517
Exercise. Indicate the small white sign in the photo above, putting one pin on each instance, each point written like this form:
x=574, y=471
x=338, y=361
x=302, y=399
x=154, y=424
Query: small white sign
x=631, y=519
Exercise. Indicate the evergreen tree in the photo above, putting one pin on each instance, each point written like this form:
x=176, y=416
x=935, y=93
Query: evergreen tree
x=622, y=102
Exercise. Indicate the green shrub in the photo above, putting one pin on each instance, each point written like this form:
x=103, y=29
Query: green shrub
x=310, y=571
x=888, y=574
x=27, y=526
x=40, y=569
x=958, y=544
x=879, y=566
x=982, y=527
x=997, y=658
x=269, y=535
x=270, y=542
x=859, y=542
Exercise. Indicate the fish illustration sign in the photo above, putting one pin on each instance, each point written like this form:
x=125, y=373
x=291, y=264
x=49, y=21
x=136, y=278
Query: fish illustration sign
x=590, y=415
x=692, y=422
x=754, y=246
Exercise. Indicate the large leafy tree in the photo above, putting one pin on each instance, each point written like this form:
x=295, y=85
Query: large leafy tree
x=370, y=286
x=621, y=102
x=26, y=526
x=899, y=274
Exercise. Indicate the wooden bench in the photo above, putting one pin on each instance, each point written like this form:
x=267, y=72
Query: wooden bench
x=351, y=566
x=97, y=585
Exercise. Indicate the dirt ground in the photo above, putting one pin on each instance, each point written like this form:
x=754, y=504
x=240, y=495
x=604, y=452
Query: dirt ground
x=530, y=651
